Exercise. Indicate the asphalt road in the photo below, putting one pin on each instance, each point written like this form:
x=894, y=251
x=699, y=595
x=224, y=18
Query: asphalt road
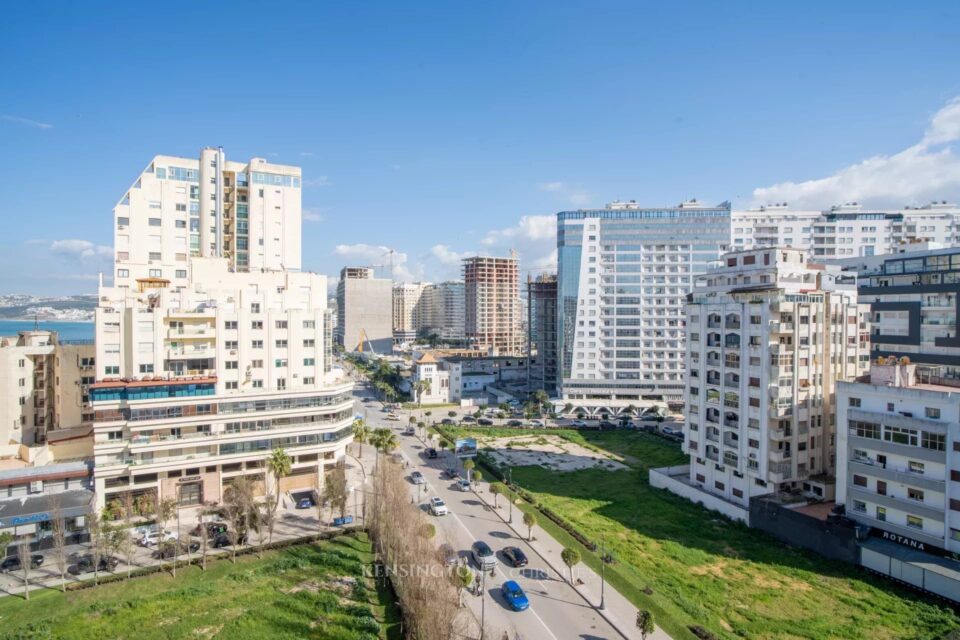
x=556, y=610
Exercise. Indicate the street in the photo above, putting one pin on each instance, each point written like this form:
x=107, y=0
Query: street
x=556, y=610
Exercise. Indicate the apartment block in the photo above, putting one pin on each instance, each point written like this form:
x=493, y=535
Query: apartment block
x=542, y=357
x=198, y=384
x=177, y=208
x=365, y=311
x=898, y=455
x=443, y=310
x=493, y=321
x=623, y=274
x=407, y=310
x=769, y=336
x=845, y=231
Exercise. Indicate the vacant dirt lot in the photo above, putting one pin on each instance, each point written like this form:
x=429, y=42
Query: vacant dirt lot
x=549, y=452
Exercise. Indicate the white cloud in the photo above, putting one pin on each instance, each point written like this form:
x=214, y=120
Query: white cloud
x=80, y=249
x=551, y=186
x=446, y=256
x=579, y=198
x=319, y=181
x=530, y=228
x=27, y=121
x=313, y=215
x=922, y=172
x=379, y=256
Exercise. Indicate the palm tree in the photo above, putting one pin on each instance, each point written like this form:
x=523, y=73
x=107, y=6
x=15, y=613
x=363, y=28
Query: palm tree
x=361, y=434
x=384, y=441
x=279, y=464
x=567, y=408
x=541, y=398
x=468, y=466
x=419, y=388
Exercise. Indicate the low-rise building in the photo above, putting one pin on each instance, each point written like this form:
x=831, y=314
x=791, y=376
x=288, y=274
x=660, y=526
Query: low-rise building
x=436, y=389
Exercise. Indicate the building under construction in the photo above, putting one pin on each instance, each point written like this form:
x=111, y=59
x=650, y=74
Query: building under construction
x=364, y=311
x=542, y=333
x=493, y=311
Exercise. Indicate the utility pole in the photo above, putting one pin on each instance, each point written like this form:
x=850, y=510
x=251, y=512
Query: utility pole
x=509, y=489
x=603, y=563
x=483, y=600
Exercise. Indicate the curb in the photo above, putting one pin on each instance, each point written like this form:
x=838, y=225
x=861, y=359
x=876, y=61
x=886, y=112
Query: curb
x=602, y=613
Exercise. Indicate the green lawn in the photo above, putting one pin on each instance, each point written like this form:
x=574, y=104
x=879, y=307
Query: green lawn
x=290, y=593
x=691, y=566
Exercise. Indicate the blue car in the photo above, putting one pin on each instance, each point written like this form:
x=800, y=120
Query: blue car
x=514, y=596
x=305, y=503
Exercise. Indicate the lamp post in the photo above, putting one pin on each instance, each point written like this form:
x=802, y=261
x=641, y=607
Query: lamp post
x=483, y=600
x=509, y=495
x=603, y=564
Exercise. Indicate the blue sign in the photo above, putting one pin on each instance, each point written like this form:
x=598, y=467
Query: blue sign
x=30, y=519
x=339, y=522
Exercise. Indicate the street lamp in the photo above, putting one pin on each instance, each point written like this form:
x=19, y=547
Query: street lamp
x=603, y=564
x=509, y=489
x=483, y=600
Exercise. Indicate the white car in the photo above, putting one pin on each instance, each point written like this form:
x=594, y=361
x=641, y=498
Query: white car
x=438, y=507
x=153, y=538
x=463, y=484
x=393, y=417
x=417, y=478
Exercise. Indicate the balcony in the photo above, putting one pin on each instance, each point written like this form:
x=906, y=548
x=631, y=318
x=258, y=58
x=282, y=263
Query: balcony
x=731, y=440
x=194, y=352
x=779, y=434
x=713, y=435
x=189, y=332
x=713, y=455
x=731, y=423
x=730, y=458
x=897, y=474
x=781, y=455
x=779, y=471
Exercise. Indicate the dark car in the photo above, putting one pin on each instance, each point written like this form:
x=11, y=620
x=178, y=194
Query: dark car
x=85, y=564
x=626, y=423
x=305, y=503
x=485, y=422
x=225, y=541
x=515, y=556
x=431, y=453
x=13, y=562
x=607, y=424
x=452, y=473
x=213, y=529
x=447, y=421
x=171, y=549
x=468, y=419
x=515, y=423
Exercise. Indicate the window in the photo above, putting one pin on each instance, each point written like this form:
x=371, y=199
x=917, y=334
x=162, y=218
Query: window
x=257, y=324
x=916, y=467
x=258, y=384
x=257, y=344
x=865, y=429
x=123, y=273
x=914, y=522
x=890, y=406
x=181, y=207
x=308, y=380
x=932, y=413
x=180, y=224
x=309, y=324
x=146, y=368
x=859, y=506
x=155, y=273
x=231, y=364
x=281, y=324
x=860, y=481
x=155, y=255
x=256, y=364
x=881, y=487
x=122, y=222
x=181, y=273
x=281, y=383
x=882, y=514
x=899, y=435
x=115, y=435
x=232, y=385
x=280, y=362
x=854, y=402
x=737, y=493
x=309, y=342
x=230, y=344
x=111, y=371
x=153, y=222
x=915, y=494
x=281, y=344
x=255, y=308
x=309, y=362
x=230, y=324
x=935, y=441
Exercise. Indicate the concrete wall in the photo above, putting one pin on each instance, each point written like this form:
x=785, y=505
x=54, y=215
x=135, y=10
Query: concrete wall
x=674, y=480
x=833, y=541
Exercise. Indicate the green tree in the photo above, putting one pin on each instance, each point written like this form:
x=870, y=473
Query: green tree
x=540, y=398
x=451, y=414
x=468, y=466
x=361, y=434
x=463, y=578
x=567, y=408
x=279, y=465
x=477, y=477
x=530, y=519
x=165, y=510
x=570, y=557
x=645, y=623
x=421, y=387
x=496, y=488
x=335, y=490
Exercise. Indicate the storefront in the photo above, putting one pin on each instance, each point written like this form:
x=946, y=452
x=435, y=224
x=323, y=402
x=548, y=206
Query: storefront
x=30, y=519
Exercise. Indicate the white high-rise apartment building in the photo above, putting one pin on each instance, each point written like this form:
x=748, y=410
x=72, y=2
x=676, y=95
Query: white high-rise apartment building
x=845, y=231
x=424, y=306
x=200, y=377
x=407, y=310
x=768, y=335
x=177, y=208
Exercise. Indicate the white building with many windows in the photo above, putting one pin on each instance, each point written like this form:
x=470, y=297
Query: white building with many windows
x=769, y=336
x=177, y=208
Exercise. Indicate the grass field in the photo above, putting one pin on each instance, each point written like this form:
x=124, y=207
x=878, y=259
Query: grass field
x=690, y=566
x=290, y=593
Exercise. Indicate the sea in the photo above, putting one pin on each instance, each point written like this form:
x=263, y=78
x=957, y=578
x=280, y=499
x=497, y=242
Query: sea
x=65, y=330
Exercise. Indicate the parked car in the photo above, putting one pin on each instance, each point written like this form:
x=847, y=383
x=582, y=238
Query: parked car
x=393, y=417
x=515, y=423
x=305, y=503
x=463, y=484
x=452, y=473
x=417, y=478
x=12, y=563
x=438, y=507
x=626, y=423
x=448, y=421
x=516, y=557
x=170, y=549
x=468, y=419
x=449, y=557
x=225, y=541
x=485, y=422
x=514, y=596
x=213, y=529
x=431, y=453
x=85, y=564
x=580, y=424
x=608, y=424
x=152, y=538
x=483, y=555
x=673, y=434
x=536, y=423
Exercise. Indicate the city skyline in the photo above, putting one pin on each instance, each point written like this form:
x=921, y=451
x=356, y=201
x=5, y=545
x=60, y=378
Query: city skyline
x=437, y=138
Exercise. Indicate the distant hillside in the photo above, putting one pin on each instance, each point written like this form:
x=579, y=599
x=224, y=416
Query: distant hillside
x=26, y=307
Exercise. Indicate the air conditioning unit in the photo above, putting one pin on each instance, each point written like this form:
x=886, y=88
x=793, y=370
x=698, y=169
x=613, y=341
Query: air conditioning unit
x=36, y=486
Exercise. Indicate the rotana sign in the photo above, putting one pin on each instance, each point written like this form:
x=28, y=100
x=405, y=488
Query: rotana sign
x=904, y=540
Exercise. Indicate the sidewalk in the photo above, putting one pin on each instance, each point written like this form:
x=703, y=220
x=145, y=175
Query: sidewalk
x=618, y=611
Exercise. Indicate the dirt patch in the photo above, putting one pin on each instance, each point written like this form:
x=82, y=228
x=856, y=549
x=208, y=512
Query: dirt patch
x=715, y=569
x=550, y=452
x=208, y=632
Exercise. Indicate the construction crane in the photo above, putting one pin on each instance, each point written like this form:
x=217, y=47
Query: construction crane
x=365, y=339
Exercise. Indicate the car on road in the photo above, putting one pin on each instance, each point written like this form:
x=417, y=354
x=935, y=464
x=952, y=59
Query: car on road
x=393, y=417
x=626, y=423
x=672, y=433
x=213, y=529
x=515, y=556
x=448, y=421
x=515, y=423
x=431, y=453
x=463, y=484
x=410, y=431
x=171, y=549
x=305, y=503
x=514, y=595
x=452, y=473
x=483, y=555
x=152, y=538
x=607, y=424
x=225, y=540
x=485, y=422
x=536, y=423
x=448, y=556
x=580, y=424
x=85, y=564
x=438, y=507
x=12, y=563
x=468, y=419
x=417, y=478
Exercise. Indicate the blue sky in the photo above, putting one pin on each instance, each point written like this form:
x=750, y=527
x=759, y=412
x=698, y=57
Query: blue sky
x=440, y=129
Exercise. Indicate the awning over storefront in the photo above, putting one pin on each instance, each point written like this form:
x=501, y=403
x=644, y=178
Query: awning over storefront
x=32, y=509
